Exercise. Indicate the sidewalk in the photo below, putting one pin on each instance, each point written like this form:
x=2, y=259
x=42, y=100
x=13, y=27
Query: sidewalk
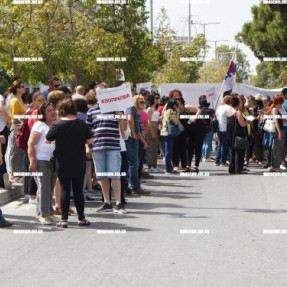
x=7, y=195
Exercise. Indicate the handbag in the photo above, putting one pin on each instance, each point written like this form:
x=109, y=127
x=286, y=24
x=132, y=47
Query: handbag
x=172, y=129
x=269, y=126
x=240, y=143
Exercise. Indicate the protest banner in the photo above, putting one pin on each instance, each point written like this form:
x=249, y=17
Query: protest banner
x=115, y=99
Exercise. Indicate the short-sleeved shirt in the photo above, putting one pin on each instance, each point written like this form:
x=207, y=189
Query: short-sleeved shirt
x=133, y=111
x=70, y=151
x=167, y=117
x=106, y=132
x=44, y=151
x=16, y=108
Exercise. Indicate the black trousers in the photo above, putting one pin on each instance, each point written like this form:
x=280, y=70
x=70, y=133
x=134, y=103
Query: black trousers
x=179, y=150
x=30, y=186
x=258, y=148
x=5, y=132
x=77, y=185
x=194, y=143
x=236, y=160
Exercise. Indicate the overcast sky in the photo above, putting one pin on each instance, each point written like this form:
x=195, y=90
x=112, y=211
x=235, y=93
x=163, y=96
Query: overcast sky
x=231, y=14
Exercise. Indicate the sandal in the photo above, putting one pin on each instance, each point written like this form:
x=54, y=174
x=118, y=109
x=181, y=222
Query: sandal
x=84, y=222
x=63, y=224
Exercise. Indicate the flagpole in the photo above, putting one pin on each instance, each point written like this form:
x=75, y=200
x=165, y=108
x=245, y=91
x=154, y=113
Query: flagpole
x=235, y=53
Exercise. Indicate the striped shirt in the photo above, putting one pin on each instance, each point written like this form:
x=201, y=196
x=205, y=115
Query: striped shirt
x=106, y=132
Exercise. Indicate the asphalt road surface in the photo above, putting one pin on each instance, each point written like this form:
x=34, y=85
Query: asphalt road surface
x=217, y=230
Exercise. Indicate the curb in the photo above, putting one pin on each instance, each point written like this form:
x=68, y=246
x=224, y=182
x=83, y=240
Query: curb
x=8, y=195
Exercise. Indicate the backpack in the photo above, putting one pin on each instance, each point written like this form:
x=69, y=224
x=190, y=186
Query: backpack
x=24, y=133
x=214, y=125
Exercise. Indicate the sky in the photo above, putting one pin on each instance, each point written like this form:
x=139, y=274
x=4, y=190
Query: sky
x=231, y=14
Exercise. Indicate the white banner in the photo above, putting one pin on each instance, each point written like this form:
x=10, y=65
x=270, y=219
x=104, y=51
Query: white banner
x=115, y=99
x=191, y=92
x=143, y=86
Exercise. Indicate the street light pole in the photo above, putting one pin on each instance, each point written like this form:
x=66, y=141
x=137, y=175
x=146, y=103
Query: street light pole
x=189, y=23
x=204, y=24
x=151, y=18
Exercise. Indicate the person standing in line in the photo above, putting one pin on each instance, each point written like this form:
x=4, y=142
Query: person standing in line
x=54, y=83
x=221, y=115
x=171, y=114
x=40, y=154
x=152, y=136
x=15, y=155
x=132, y=145
x=5, y=124
x=71, y=135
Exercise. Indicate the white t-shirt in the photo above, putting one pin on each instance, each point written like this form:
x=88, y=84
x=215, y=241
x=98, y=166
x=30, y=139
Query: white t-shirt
x=44, y=151
x=3, y=121
x=221, y=115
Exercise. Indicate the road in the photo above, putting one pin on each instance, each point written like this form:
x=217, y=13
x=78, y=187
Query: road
x=217, y=230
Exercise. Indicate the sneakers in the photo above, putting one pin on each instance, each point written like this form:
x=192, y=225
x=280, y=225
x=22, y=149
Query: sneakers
x=119, y=208
x=105, y=207
x=217, y=164
x=152, y=170
x=53, y=218
x=32, y=201
x=7, y=183
x=44, y=220
x=282, y=167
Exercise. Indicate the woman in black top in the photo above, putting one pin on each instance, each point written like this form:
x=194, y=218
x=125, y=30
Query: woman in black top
x=236, y=126
x=71, y=135
x=194, y=130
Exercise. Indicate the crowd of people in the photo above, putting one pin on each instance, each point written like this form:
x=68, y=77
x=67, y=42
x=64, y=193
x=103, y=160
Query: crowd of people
x=68, y=148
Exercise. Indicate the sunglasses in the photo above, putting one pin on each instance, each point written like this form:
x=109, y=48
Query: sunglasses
x=157, y=98
x=22, y=87
x=56, y=86
x=42, y=100
x=141, y=102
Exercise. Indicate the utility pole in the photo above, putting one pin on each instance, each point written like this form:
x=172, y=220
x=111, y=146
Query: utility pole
x=204, y=24
x=151, y=18
x=189, y=23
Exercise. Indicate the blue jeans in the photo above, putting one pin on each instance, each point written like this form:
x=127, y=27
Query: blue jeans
x=2, y=219
x=168, y=145
x=133, y=162
x=222, y=149
x=207, y=144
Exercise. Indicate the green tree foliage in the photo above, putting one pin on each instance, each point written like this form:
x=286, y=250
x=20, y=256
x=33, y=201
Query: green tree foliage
x=173, y=69
x=266, y=36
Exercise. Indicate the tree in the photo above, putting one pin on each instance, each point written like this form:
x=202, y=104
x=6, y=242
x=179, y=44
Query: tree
x=173, y=69
x=266, y=36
